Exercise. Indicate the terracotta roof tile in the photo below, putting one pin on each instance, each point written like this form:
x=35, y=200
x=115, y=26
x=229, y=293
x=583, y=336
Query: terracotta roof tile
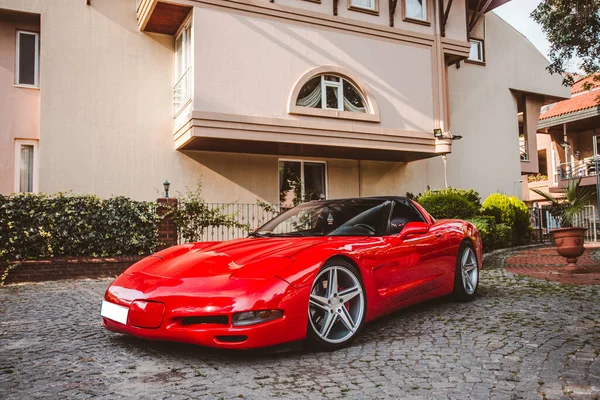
x=581, y=101
x=578, y=86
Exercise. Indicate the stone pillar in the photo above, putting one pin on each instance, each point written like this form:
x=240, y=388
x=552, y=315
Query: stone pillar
x=167, y=230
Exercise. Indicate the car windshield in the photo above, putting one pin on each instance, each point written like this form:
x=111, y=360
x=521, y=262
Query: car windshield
x=352, y=217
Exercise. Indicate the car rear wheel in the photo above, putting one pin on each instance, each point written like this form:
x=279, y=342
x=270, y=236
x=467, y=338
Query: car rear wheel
x=466, y=278
x=337, y=305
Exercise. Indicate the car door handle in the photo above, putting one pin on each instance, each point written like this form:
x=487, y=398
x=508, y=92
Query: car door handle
x=439, y=235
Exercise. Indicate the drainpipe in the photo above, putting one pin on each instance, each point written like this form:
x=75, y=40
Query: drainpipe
x=596, y=164
x=445, y=161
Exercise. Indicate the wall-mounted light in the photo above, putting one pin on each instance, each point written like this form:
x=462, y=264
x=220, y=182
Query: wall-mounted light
x=437, y=133
x=166, y=185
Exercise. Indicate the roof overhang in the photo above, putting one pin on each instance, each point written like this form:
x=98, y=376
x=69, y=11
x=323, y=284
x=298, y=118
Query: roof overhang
x=573, y=117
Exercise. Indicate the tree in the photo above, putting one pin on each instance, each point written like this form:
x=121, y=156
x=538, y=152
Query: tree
x=573, y=30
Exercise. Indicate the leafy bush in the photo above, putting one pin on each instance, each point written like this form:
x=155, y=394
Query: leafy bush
x=193, y=216
x=34, y=226
x=512, y=212
x=493, y=235
x=451, y=203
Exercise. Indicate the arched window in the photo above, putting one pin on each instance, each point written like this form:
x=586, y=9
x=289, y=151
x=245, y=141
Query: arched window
x=334, y=92
x=331, y=92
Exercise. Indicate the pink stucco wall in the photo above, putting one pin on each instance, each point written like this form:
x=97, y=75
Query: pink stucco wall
x=19, y=106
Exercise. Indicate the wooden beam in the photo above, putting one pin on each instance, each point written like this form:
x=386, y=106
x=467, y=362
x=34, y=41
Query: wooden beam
x=335, y=7
x=445, y=15
x=478, y=13
x=393, y=4
x=89, y=2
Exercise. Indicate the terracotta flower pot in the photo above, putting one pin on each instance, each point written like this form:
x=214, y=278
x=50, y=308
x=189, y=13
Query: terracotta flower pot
x=569, y=244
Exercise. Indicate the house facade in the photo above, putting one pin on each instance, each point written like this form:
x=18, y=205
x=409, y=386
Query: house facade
x=568, y=142
x=266, y=100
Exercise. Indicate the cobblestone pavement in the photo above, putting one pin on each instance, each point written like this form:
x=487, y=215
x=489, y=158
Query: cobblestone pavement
x=521, y=338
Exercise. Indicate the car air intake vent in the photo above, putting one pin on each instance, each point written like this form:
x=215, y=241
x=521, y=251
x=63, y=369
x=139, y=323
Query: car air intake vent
x=232, y=338
x=210, y=319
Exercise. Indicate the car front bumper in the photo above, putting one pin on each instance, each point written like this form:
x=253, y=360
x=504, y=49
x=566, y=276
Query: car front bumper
x=197, y=316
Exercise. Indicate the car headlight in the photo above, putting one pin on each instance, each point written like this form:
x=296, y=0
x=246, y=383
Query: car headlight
x=255, y=317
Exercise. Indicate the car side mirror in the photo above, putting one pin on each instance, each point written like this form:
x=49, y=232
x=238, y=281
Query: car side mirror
x=413, y=228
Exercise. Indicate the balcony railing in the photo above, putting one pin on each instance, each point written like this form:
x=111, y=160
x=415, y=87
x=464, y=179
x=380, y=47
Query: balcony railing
x=579, y=169
x=523, y=150
x=182, y=91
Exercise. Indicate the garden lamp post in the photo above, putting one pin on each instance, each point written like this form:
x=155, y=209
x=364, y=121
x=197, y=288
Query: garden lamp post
x=166, y=185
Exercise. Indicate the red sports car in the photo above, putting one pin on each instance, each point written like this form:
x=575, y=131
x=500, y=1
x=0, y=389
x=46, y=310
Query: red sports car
x=319, y=271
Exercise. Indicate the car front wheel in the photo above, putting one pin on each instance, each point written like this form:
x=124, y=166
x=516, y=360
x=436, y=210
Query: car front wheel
x=337, y=305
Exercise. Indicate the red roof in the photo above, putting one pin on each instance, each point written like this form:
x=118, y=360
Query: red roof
x=578, y=86
x=580, y=100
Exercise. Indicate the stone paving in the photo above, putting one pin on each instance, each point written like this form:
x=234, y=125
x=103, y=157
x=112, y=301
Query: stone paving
x=522, y=338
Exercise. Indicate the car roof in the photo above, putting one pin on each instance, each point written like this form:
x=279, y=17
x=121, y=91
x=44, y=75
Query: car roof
x=361, y=198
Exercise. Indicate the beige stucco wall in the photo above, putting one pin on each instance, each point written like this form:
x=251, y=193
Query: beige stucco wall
x=484, y=112
x=19, y=106
x=249, y=65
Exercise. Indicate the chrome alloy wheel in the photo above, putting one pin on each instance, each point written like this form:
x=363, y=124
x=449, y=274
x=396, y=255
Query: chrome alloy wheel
x=470, y=273
x=336, y=305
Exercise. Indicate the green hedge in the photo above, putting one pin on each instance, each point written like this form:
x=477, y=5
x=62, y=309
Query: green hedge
x=35, y=226
x=493, y=235
x=512, y=212
x=450, y=203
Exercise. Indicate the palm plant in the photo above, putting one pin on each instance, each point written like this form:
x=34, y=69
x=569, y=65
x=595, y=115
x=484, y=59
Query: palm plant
x=566, y=208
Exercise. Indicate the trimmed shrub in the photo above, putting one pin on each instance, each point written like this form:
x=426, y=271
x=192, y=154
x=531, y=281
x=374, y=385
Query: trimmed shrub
x=512, y=212
x=35, y=226
x=450, y=203
x=493, y=235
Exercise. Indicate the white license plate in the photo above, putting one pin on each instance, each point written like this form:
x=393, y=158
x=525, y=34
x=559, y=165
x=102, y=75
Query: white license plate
x=115, y=312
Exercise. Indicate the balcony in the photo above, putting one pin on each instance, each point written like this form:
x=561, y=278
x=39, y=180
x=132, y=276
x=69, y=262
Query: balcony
x=524, y=152
x=161, y=17
x=584, y=169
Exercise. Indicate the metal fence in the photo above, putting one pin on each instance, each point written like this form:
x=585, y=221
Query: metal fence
x=543, y=222
x=251, y=215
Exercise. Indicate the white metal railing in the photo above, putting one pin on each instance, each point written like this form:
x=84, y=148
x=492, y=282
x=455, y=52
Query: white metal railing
x=578, y=169
x=182, y=91
x=523, y=150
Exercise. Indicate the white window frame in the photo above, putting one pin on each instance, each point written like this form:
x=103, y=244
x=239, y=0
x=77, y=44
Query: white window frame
x=425, y=18
x=187, y=48
x=553, y=164
x=17, y=165
x=302, y=161
x=372, y=8
x=338, y=87
x=36, y=67
x=480, y=42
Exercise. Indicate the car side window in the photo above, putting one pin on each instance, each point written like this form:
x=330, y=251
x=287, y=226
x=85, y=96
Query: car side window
x=403, y=213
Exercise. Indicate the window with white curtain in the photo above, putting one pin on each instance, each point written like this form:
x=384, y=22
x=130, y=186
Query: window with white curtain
x=27, y=58
x=331, y=92
x=416, y=9
x=368, y=4
x=182, y=91
x=25, y=170
x=476, y=53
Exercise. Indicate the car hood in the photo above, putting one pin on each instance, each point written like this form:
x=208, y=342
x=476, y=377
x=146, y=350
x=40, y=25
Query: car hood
x=249, y=257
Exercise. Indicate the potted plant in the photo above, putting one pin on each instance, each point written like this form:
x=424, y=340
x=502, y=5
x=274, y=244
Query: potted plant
x=568, y=239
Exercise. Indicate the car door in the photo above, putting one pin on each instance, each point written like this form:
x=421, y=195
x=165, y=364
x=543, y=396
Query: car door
x=415, y=263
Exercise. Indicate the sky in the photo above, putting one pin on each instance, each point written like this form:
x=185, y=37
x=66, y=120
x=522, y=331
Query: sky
x=516, y=13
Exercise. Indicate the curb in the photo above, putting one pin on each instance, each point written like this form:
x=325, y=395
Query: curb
x=503, y=253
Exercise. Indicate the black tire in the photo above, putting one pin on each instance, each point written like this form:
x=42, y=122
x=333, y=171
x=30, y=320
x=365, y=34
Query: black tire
x=465, y=287
x=336, y=339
